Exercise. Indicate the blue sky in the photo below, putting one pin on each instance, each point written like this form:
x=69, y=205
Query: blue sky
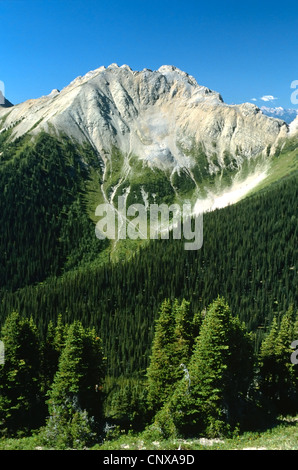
x=243, y=50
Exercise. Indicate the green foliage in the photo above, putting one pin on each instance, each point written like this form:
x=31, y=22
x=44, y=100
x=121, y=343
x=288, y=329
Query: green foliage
x=220, y=373
x=19, y=376
x=183, y=183
x=171, y=349
x=160, y=372
x=63, y=432
x=163, y=426
x=51, y=350
x=281, y=435
x=248, y=257
x=154, y=182
x=126, y=402
x=68, y=366
x=80, y=373
x=278, y=376
x=44, y=226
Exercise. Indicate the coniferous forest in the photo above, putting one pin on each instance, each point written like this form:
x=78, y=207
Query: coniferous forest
x=174, y=342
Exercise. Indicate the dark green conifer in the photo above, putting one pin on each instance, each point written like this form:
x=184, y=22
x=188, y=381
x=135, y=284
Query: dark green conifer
x=78, y=381
x=209, y=397
x=278, y=375
x=160, y=371
x=20, y=376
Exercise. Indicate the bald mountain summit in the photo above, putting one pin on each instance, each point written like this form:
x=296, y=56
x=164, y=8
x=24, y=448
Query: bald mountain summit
x=155, y=132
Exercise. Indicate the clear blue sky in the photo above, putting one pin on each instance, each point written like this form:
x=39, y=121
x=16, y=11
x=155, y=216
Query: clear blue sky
x=244, y=49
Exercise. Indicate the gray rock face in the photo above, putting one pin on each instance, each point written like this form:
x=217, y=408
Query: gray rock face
x=158, y=116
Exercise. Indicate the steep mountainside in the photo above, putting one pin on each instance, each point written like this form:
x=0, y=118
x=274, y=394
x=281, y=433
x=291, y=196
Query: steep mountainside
x=156, y=126
x=152, y=136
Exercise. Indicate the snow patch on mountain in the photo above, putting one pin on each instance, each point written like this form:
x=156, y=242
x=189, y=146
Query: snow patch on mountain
x=287, y=115
x=238, y=190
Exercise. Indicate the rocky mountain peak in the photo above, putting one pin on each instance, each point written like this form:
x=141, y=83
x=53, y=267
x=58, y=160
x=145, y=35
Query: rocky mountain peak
x=157, y=115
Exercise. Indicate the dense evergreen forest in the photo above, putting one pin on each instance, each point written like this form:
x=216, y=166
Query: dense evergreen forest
x=44, y=226
x=248, y=256
x=52, y=270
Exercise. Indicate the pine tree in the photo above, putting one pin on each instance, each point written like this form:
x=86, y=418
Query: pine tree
x=20, y=376
x=160, y=370
x=78, y=381
x=220, y=373
x=52, y=347
x=278, y=376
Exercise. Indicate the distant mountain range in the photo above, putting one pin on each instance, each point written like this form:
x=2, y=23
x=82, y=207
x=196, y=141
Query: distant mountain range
x=287, y=115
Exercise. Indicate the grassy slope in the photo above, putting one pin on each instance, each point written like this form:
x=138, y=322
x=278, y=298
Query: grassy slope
x=282, y=436
x=283, y=164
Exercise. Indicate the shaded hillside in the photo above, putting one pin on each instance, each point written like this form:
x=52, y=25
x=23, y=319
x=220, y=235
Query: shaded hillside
x=249, y=256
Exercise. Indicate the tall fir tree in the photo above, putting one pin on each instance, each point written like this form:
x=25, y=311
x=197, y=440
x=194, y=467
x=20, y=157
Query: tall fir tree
x=78, y=381
x=184, y=330
x=209, y=398
x=52, y=347
x=278, y=376
x=160, y=370
x=20, y=391
x=171, y=350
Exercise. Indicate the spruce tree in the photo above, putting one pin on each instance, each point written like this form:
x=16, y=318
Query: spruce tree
x=278, y=376
x=20, y=376
x=78, y=381
x=52, y=347
x=183, y=333
x=160, y=370
x=171, y=350
x=220, y=373
x=76, y=398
